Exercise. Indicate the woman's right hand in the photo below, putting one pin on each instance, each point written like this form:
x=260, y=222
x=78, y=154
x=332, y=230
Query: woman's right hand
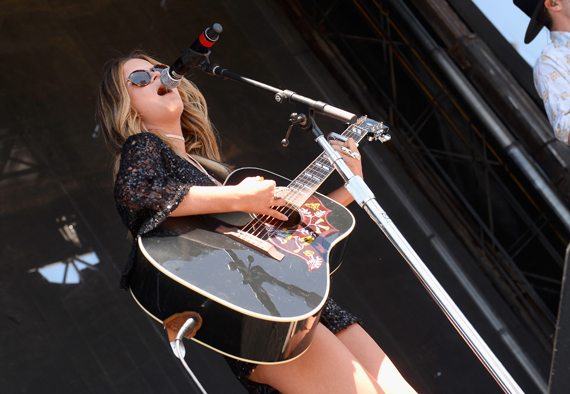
x=257, y=195
x=252, y=195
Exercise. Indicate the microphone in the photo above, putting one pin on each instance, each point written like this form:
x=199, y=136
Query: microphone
x=192, y=57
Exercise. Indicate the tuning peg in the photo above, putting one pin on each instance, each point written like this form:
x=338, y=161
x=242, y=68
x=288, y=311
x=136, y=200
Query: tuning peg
x=379, y=132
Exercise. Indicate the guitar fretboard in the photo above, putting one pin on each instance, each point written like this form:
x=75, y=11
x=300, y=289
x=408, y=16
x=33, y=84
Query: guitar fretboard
x=308, y=181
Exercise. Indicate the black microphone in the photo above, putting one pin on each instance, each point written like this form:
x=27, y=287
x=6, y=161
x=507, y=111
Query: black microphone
x=192, y=57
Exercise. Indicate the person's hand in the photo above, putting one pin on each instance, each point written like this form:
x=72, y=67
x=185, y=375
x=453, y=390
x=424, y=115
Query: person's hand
x=257, y=195
x=350, y=154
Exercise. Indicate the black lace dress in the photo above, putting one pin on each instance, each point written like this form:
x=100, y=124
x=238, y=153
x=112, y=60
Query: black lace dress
x=151, y=182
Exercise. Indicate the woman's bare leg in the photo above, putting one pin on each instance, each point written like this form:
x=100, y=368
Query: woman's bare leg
x=326, y=367
x=374, y=360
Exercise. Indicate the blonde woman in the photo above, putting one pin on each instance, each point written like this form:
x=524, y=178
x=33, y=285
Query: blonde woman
x=153, y=131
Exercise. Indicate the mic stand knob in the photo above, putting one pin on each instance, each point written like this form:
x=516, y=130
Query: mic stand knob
x=294, y=118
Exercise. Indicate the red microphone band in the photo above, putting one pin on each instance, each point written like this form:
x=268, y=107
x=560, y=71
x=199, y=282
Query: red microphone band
x=205, y=42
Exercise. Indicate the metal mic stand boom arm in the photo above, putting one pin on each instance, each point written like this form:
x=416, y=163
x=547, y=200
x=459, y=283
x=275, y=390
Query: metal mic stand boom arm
x=282, y=95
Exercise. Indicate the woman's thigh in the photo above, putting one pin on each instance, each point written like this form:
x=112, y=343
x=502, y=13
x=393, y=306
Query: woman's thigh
x=374, y=360
x=327, y=366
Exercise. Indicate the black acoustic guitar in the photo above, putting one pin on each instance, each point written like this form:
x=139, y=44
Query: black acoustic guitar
x=258, y=283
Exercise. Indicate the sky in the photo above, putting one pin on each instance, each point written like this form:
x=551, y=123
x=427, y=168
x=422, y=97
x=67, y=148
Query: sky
x=512, y=23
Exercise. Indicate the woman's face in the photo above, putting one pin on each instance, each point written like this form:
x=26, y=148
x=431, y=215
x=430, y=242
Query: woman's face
x=157, y=105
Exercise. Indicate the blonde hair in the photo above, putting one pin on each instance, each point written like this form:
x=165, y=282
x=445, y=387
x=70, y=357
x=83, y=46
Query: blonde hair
x=118, y=120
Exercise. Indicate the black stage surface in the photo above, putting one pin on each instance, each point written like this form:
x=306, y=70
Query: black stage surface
x=56, y=203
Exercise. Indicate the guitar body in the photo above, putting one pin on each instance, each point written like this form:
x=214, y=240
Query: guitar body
x=255, y=307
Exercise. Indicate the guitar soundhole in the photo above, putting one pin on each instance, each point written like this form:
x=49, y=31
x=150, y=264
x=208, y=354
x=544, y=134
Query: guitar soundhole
x=295, y=218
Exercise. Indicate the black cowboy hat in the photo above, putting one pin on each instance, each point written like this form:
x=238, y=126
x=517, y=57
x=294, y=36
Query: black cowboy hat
x=532, y=8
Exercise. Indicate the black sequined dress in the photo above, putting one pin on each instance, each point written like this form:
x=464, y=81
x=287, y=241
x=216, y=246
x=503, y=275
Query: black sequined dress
x=151, y=182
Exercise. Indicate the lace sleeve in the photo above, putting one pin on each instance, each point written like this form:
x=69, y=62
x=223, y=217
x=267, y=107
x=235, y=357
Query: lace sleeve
x=149, y=184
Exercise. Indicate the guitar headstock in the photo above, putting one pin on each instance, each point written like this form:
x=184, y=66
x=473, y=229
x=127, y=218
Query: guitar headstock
x=375, y=131
x=364, y=127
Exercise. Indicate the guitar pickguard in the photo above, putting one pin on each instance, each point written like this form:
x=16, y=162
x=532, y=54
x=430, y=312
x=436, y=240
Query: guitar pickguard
x=306, y=240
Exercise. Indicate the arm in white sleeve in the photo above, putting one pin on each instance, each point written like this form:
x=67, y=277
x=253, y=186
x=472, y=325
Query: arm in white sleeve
x=552, y=83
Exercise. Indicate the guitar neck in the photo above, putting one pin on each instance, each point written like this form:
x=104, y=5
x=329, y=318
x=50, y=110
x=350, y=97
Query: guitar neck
x=308, y=181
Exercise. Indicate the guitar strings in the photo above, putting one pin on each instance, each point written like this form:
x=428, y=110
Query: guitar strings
x=294, y=196
x=324, y=170
x=310, y=179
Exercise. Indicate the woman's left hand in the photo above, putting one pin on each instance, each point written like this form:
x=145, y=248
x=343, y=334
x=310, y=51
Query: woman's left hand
x=350, y=154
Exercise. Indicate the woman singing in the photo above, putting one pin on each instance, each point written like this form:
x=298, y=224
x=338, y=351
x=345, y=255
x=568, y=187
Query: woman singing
x=152, y=131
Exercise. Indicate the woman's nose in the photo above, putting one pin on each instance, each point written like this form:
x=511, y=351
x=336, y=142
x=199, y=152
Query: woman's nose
x=155, y=75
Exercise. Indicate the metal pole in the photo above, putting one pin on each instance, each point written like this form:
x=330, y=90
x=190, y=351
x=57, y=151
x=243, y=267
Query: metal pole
x=365, y=198
x=560, y=369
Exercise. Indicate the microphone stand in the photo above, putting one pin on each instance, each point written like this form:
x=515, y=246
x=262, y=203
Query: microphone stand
x=366, y=199
x=281, y=95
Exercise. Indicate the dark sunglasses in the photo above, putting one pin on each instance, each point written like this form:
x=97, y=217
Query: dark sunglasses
x=143, y=77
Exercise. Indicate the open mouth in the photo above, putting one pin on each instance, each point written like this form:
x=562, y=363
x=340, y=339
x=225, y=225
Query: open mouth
x=162, y=90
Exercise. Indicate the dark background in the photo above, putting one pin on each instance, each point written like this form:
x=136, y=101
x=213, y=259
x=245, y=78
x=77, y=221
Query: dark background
x=91, y=337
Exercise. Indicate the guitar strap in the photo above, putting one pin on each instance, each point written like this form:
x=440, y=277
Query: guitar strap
x=218, y=169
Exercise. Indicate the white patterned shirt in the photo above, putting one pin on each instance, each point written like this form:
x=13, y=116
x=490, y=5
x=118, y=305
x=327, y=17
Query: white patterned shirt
x=552, y=82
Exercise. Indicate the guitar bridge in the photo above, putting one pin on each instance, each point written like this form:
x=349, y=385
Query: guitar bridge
x=252, y=241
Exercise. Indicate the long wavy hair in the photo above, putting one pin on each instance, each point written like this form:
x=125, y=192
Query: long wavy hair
x=118, y=120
